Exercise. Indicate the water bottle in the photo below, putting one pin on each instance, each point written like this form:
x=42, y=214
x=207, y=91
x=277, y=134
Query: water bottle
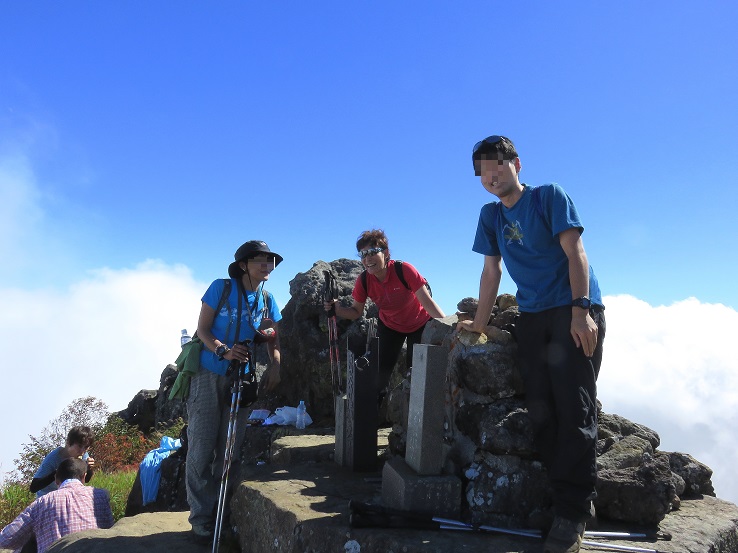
x=300, y=423
x=185, y=337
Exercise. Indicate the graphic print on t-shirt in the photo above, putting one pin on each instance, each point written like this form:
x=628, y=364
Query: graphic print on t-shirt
x=513, y=233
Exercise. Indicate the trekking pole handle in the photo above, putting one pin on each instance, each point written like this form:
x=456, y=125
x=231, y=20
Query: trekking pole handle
x=330, y=292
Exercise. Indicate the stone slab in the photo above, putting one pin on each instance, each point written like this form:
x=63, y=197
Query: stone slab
x=405, y=489
x=307, y=448
x=424, y=451
x=361, y=415
x=341, y=406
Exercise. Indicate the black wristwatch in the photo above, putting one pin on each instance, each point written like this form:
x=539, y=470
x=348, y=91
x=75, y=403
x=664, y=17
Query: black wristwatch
x=221, y=350
x=582, y=302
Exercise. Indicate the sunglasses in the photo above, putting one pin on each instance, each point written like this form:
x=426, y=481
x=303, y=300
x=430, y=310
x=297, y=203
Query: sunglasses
x=494, y=139
x=371, y=251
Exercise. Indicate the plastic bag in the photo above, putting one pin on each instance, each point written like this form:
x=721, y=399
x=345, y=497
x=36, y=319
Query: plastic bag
x=150, y=472
x=287, y=416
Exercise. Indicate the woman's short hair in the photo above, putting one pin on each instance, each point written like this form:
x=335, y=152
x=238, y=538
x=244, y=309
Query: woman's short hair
x=375, y=238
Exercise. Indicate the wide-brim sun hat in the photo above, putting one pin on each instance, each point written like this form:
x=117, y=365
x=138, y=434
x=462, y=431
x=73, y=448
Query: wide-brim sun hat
x=247, y=250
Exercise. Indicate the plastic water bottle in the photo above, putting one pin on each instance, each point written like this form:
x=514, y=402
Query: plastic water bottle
x=300, y=423
x=185, y=337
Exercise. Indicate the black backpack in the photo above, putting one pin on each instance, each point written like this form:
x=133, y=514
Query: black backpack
x=400, y=275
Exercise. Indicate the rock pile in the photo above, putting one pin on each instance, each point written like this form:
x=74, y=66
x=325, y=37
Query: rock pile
x=490, y=441
x=488, y=438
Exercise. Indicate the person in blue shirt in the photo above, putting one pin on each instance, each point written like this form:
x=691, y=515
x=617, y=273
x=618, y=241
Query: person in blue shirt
x=560, y=328
x=248, y=313
x=79, y=440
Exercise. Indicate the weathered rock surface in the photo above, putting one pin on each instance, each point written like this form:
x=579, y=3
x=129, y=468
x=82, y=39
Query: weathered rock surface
x=147, y=532
x=305, y=508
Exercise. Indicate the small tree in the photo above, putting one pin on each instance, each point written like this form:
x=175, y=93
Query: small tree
x=85, y=411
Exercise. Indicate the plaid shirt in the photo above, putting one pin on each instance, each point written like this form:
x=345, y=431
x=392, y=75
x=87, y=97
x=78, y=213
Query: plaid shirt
x=72, y=508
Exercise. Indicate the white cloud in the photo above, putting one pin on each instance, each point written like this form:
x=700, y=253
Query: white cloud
x=107, y=336
x=674, y=369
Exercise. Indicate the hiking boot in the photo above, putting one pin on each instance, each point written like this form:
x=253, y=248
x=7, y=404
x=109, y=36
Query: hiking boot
x=565, y=536
x=202, y=533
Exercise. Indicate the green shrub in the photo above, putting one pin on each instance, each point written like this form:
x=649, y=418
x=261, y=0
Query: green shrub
x=13, y=499
x=119, y=485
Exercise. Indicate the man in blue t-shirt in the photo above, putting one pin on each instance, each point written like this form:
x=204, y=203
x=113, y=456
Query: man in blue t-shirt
x=537, y=232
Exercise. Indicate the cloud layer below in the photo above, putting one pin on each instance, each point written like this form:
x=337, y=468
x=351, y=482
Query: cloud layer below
x=673, y=368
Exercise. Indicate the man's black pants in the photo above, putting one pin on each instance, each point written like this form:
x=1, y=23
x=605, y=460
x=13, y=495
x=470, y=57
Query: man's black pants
x=561, y=397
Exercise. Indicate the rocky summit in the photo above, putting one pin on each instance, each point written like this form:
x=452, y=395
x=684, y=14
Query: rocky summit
x=304, y=507
x=469, y=419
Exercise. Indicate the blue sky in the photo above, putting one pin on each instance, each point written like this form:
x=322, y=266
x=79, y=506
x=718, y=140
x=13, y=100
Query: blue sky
x=141, y=144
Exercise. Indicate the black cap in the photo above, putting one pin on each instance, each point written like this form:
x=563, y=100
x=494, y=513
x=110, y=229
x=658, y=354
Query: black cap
x=250, y=249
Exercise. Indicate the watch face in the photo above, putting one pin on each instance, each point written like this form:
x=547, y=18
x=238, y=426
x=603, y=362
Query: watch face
x=584, y=303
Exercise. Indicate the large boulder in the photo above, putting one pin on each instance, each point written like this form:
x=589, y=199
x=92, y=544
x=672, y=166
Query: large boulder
x=306, y=365
x=141, y=411
x=641, y=494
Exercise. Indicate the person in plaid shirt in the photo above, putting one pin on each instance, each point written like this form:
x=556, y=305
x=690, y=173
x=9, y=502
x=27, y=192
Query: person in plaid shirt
x=72, y=508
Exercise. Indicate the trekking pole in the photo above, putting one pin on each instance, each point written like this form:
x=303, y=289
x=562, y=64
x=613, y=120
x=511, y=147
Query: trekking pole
x=655, y=535
x=239, y=369
x=446, y=524
x=330, y=292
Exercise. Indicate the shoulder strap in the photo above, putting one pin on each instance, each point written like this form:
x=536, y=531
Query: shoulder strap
x=401, y=274
x=538, y=203
x=267, y=306
x=221, y=302
x=224, y=295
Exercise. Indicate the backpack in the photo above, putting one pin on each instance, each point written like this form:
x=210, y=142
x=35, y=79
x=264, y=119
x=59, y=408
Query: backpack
x=400, y=275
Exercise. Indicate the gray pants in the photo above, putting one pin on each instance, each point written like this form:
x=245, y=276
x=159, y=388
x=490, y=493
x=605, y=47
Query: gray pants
x=208, y=412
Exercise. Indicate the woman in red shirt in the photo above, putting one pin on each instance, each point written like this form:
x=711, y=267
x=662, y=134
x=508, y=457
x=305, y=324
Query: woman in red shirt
x=404, y=309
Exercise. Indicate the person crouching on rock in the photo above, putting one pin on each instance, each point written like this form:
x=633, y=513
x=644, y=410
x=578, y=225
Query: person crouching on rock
x=247, y=313
x=400, y=292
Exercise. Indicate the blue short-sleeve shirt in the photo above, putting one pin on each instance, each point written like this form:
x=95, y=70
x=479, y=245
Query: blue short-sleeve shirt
x=253, y=310
x=526, y=236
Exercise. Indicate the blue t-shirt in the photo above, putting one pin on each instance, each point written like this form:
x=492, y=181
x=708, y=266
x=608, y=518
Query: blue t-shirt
x=526, y=236
x=50, y=463
x=253, y=311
